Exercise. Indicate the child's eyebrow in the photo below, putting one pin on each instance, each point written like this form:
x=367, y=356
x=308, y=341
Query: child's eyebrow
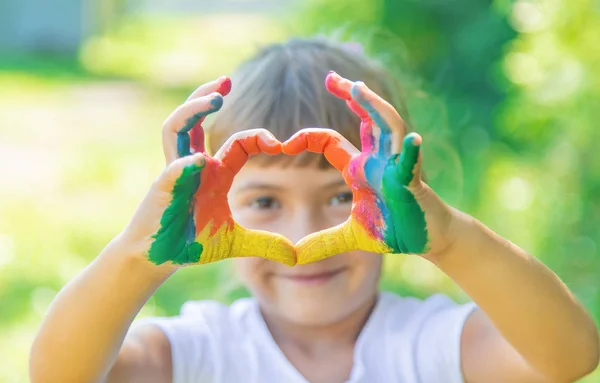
x=258, y=185
x=334, y=184
x=267, y=186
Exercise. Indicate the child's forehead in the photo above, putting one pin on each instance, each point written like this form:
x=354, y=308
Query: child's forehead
x=306, y=160
x=286, y=173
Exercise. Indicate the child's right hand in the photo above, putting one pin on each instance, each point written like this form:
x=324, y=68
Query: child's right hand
x=185, y=217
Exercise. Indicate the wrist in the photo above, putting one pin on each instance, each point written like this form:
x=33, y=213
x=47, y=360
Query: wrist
x=466, y=234
x=135, y=255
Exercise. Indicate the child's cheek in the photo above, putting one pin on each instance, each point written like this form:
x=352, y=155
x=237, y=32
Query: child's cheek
x=254, y=273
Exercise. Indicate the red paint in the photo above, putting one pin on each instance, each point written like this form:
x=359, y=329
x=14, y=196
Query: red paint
x=197, y=132
x=335, y=85
x=225, y=87
x=364, y=206
x=197, y=137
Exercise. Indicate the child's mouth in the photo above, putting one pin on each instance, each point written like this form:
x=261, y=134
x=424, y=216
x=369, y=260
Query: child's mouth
x=315, y=278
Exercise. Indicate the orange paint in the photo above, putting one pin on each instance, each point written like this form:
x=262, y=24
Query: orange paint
x=217, y=178
x=364, y=207
x=211, y=198
x=332, y=83
x=241, y=149
x=319, y=142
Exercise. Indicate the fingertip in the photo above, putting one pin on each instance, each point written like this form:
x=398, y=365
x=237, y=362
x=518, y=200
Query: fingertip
x=332, y=75
x=225, y=86
x=294, y=145
x=414, y=139
x=271, y=147
x=216, y=101
x=357, y=91
x=330, y=80
x=199, y=159
x=192, y=159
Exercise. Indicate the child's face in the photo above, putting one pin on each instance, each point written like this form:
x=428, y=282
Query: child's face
x=295, y=202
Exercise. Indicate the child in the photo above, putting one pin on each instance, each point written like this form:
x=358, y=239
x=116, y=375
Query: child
x=322, y=320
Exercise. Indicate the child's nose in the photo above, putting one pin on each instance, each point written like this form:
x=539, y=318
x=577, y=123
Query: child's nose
x=305, y=222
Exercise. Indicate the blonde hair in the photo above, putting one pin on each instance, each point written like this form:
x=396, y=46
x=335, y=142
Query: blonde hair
x=282, y=90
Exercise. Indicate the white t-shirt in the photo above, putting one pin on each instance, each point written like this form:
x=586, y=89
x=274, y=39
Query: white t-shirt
x=405, y=340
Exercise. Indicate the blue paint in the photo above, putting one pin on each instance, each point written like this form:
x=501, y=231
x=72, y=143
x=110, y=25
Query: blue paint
x=183, y=138
x=373, y=168
x=385, y=137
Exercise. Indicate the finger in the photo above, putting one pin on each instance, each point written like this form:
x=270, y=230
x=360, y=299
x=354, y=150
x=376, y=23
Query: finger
x=176, y=141
x=232, y=241
x=336, y=148
x=175, y=239
x=384, y=116
x=408, y=168
x=345, y=237
x=182, y=169
x=235, y=151
x=221, y=85
x=342, y=87
x=264, y=244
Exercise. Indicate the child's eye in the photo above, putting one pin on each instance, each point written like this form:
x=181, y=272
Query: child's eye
x=263, y=203
x=341, y=198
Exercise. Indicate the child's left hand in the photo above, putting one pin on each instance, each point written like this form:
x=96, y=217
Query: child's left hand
x=393, y=210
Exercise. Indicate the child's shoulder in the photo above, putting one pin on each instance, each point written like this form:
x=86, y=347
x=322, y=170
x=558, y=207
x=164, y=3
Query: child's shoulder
x=215, y=316
x=398, y=313
x=245, y=312
x=211, y=308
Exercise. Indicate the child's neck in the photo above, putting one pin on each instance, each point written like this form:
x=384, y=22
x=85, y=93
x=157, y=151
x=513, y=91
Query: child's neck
x=321, y=353
x=314, y=340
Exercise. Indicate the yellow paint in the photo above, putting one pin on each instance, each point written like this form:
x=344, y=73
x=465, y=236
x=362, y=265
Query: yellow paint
x=345, y=237
x=241, y=242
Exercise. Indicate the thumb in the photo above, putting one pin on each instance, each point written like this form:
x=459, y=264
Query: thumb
x=347, y=236
x=409, y=164
x=181, y=178
x=182, y=175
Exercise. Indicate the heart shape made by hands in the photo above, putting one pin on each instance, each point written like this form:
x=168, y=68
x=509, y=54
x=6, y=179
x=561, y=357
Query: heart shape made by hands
x=197, y=226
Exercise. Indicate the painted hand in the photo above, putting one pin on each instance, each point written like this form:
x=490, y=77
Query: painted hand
x=185, y=218
x=393, y=210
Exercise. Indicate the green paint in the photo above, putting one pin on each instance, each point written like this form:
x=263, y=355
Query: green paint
x=183, y=138
x=175, y=240
x=407, y=229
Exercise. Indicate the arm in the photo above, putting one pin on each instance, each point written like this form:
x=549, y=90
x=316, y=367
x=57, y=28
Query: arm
x=533, y=329
x=184, y=219
x=83, y=331
x=536, y=331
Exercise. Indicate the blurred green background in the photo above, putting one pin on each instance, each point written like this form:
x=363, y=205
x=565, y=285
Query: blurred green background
x=505, y=93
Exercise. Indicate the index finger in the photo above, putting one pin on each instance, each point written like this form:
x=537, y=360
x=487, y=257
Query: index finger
x=175, y=132
x=336, y=148
x=384, y=115
x=238, y=148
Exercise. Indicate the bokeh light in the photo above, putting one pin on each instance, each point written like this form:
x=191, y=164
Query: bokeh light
x=505, y=94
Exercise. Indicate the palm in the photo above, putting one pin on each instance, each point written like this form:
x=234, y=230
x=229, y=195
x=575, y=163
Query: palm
x=385, y=217
x=383, y=205
x=197, y=226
